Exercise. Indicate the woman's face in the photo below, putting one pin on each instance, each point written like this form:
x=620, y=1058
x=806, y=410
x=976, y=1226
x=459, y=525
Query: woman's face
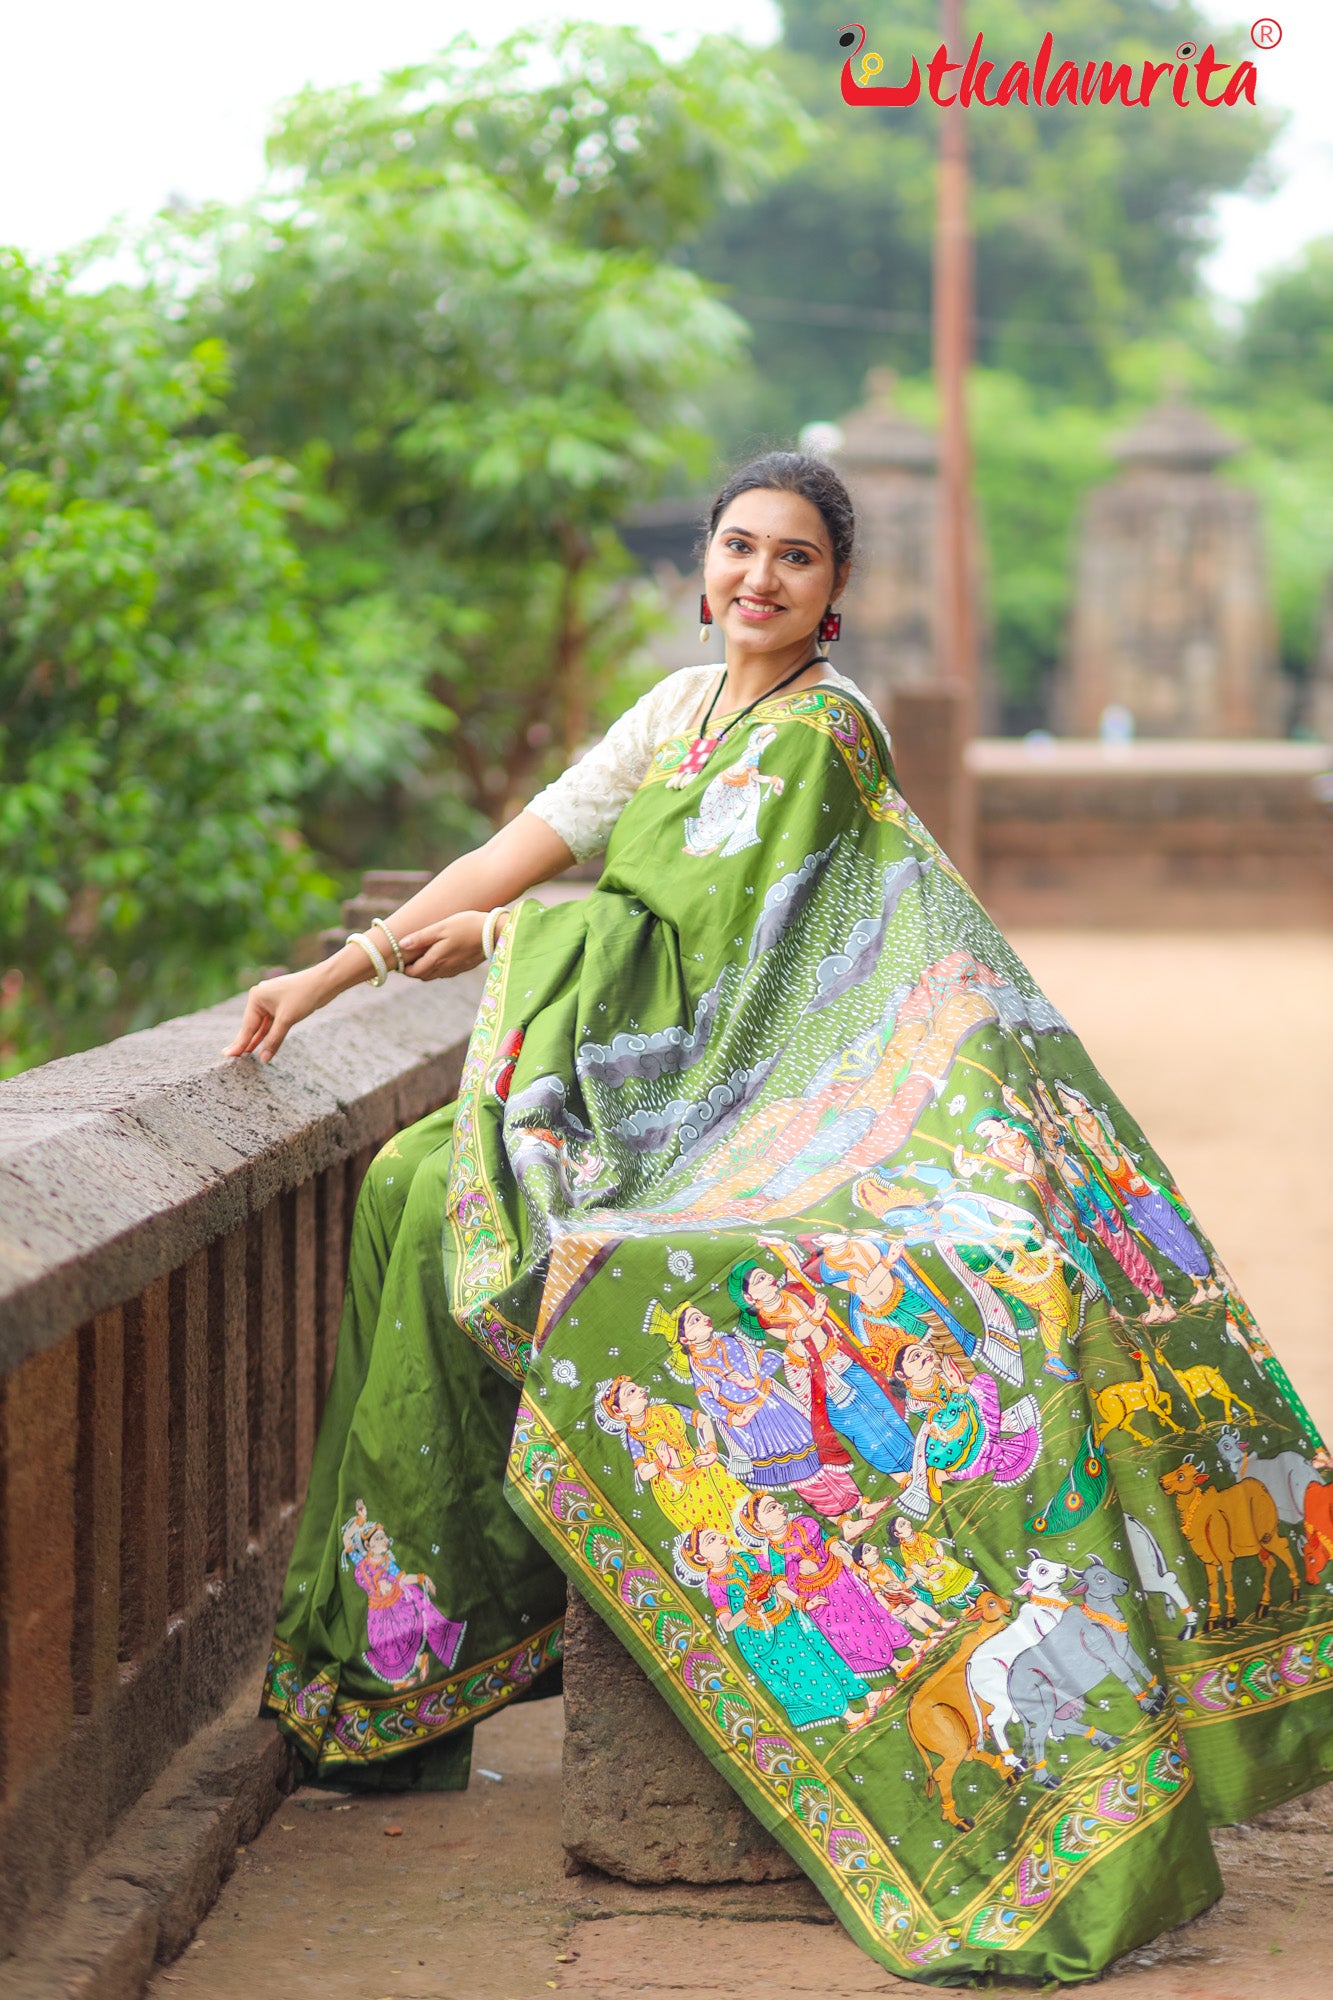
x=762, y=1288
x=714, y=1548
x=696, y=1329
x=631, y=1399
x=771, y=1515
x=1005, y=1142
x=902, y=1529
x=768, y=571
x=377, y=1544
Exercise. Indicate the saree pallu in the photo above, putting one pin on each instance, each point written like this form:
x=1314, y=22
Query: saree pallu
x=782, y=1231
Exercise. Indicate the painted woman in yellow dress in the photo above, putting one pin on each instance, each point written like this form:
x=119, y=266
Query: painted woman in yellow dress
x=926, y=1561
x=686, y=1479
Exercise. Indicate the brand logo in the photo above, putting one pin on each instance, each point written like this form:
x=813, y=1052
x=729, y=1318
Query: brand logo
x=1042, y=82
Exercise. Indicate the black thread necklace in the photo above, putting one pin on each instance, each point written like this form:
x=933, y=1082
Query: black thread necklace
x=704, y=745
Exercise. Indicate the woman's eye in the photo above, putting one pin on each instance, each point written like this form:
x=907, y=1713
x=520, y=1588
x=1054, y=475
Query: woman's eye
x=798, y=556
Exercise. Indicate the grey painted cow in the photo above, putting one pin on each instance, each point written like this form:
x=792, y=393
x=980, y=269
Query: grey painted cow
x=1287, y=1477
x=1050, y=1682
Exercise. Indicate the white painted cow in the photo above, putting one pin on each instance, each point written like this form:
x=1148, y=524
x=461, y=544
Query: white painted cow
x=988, y=1668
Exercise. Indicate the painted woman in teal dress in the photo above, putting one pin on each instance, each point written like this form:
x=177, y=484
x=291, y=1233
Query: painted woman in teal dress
x=733, y=1050
x=757, y=1610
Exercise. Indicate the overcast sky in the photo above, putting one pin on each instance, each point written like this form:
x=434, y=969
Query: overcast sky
x=111, y=110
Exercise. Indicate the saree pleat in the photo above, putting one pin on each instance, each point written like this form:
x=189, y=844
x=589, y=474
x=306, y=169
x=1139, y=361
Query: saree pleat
x=787, y=1277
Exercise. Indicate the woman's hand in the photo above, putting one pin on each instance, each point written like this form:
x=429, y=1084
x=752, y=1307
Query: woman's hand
x=441, y=951
x=273, y=1008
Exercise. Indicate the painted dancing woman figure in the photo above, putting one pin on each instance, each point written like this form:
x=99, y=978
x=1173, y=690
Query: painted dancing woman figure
x=777, y=1199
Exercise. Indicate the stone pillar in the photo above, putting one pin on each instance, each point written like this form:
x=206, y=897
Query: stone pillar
x=1171, y=617
x=639, y=1798
x=1319, y=713
x=892, y=607
x=927, y=729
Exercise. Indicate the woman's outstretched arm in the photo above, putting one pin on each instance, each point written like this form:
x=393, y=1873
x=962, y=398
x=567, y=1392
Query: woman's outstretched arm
x=438, y=930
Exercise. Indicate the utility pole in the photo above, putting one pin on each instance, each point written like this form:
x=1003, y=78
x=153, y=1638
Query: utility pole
x=952, y=331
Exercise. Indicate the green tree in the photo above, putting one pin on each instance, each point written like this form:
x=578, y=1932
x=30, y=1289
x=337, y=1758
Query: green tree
x=1284, y=351
x=462, y=323
x=163, y=706
x=1089, y=223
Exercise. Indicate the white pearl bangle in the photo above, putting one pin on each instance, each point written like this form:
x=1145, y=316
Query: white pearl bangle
x=393, y=942
x=373, y=953
x=488, y=930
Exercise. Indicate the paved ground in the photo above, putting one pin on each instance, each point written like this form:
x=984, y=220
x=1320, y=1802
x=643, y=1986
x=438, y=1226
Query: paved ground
x=1222, y=1049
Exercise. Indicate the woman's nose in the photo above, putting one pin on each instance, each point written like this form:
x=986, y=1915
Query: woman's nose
x=761, y=574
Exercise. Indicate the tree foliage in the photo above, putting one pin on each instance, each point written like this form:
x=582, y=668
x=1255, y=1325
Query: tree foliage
x=462, y=324
x=163, y=707
x=1089, y=223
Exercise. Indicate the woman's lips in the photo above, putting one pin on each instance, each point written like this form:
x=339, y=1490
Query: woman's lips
x=757, y=609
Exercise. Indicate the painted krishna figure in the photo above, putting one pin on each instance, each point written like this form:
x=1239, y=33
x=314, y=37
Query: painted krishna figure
x=787, y=1277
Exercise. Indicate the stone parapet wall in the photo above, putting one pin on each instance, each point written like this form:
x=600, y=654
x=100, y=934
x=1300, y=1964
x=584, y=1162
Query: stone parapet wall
x=1200, y=835
x=172, y=1260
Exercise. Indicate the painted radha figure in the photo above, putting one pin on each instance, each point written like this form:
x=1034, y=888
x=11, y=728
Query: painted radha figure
x=836, y=1390
x=1153, y=1212
x=778, y=1011
x=684, y=1476
x=964, y=1433
x=841, y=1604
x=402, y=1624
x=758, y=1611
x=765, y=1430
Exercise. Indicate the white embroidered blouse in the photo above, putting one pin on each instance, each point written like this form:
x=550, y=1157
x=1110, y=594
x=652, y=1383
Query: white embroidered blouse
x=585, y=801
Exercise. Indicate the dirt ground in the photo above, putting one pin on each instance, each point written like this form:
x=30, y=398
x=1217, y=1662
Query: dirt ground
x=1221, y=1048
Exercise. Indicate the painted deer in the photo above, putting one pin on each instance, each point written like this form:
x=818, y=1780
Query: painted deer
x=939, y=1715
x=1118, y=1403
x=1221, y=1527
x=1205, y=1380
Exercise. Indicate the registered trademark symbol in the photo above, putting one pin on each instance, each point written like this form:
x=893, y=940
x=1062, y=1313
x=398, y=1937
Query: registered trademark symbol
x=1266, y=33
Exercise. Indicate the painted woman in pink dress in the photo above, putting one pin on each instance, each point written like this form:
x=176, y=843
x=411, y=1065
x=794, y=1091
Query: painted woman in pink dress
x=403, y=1627
x=837, y=1601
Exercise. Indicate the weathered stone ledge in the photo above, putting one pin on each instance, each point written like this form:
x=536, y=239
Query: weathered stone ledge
x=117, y=1165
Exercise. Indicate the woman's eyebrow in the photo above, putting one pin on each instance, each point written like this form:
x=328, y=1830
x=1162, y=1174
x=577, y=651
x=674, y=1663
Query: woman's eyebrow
x=793, y=541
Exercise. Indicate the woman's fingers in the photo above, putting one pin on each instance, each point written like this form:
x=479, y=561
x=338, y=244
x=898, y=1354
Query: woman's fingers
x=252, y=1029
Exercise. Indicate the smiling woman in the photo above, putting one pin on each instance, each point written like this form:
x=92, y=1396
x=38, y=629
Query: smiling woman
x=729, y=1180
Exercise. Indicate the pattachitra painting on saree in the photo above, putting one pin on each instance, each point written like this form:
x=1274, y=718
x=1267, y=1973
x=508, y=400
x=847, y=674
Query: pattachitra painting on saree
x=851, y=1349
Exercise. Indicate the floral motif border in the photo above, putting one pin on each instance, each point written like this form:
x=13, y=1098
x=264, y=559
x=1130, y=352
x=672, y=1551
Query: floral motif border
x=359, y=1730
x=1264, y=1678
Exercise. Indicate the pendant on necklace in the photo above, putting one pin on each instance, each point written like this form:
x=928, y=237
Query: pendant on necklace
x=692, y=762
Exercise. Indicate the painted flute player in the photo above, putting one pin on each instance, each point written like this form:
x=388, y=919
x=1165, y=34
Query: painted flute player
x=779, y=1022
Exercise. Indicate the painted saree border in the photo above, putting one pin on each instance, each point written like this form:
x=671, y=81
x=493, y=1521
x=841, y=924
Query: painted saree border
x=359, y=1730
x=1258, y=1681
x=789, y=1786
x=474, y=1215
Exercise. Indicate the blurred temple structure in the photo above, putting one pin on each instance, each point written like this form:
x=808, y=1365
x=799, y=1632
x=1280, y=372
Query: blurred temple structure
x=1171, y=618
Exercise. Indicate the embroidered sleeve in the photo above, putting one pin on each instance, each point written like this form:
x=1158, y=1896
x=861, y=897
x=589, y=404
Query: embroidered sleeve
x=585, y=802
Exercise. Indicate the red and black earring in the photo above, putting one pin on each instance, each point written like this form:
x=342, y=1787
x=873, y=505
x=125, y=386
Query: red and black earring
x=705, y=620
x=830, y=626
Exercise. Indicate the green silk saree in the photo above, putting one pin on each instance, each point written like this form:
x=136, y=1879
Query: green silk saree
x=786, y=1276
